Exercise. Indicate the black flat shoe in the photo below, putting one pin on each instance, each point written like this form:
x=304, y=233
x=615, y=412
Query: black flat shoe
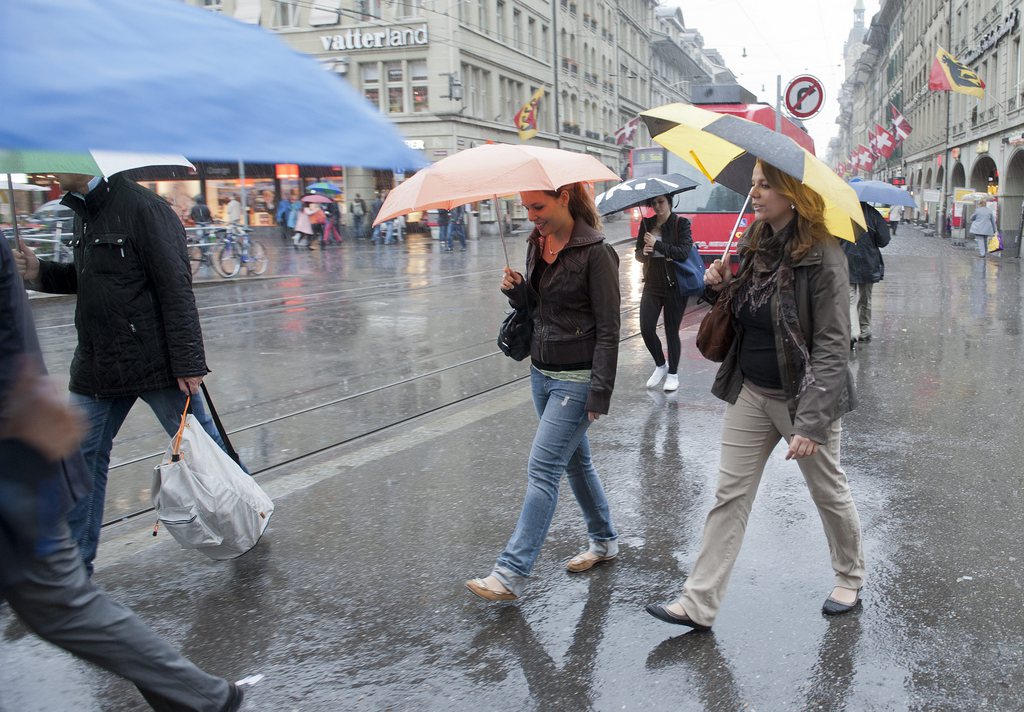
x=661, y=613
x=832, y=607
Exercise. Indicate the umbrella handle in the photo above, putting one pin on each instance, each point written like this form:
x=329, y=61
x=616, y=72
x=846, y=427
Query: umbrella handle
x=14, y=214
x=501, y=234
x=732, y=235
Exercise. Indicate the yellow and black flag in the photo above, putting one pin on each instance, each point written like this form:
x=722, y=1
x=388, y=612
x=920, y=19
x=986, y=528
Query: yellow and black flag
x=950, y=75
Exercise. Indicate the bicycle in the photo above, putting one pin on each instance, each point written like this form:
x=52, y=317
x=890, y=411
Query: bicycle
x=202, y=242
x=239, y=249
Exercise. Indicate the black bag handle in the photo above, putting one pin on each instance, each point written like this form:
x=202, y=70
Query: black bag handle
x=228, y=447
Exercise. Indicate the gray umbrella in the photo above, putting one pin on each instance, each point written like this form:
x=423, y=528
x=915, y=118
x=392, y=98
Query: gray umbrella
x=639, y=190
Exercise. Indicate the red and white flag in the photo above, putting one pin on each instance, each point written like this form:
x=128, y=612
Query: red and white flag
x=867, y=158
x=871, y=140
x=627, y=132
x=885, y=142
x=900, y=125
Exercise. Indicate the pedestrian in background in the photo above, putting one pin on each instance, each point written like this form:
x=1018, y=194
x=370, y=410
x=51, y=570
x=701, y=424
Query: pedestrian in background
x=42, y=576
x=867, y=268
x=233, y=211
x=138, y=326
x=786, y=376
x=358, y=210
x=573, y=271
x=665, y=235
x=983, y=226
x=304, y=233
x=457, y=226
x=284, y=208
x=895, y=213
x=200, y=213
x=442, y=229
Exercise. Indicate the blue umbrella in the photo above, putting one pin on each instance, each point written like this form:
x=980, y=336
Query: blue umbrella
x=159, y=76
x=876, y=191
x=324, y=187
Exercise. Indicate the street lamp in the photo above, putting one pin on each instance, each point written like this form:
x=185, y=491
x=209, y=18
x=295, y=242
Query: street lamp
x=454, y=86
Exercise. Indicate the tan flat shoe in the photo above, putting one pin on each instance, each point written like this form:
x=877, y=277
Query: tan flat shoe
x=479, y=587
x=585, y=561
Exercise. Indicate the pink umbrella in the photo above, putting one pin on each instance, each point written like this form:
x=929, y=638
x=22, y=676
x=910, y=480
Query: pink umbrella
x=316, y=199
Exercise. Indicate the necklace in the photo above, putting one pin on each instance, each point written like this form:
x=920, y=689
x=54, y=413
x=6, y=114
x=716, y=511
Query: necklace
x=553, y=252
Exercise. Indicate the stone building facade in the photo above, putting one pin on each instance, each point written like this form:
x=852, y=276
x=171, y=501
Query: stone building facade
x=958, y=141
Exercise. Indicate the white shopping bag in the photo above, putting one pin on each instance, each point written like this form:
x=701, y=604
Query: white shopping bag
x=204, y=499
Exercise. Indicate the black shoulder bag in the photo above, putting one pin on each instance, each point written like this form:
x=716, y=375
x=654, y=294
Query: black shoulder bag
x=516, y=331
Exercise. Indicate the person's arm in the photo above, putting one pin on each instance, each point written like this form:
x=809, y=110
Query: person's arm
x=638, y=249
x=605, y=300
x=680, y=249
x=162, y=251
x=882, y=233
x=830, y=348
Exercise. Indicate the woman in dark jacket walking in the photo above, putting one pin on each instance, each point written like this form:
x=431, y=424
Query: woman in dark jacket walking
x=786, y=376
x=662, y=238
x=572, y=283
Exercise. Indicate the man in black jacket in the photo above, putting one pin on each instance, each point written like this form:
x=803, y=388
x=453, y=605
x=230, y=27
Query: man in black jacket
x=41, y=574
x=138, y=327
x=866, y=268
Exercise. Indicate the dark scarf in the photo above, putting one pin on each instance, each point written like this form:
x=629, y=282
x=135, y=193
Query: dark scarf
x=768, y=271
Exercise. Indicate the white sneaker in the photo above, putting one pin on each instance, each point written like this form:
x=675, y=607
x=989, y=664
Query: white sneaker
x=659, y=373
x=671, y=381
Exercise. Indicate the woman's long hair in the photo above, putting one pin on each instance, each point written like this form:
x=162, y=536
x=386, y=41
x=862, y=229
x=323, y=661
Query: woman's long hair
x=810, y=213
x=581, y=203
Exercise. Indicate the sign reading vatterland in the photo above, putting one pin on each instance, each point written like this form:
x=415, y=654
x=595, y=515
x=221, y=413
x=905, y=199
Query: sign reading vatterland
x=378, y=39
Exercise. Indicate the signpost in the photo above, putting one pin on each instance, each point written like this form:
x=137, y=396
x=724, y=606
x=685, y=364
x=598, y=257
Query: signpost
x=804, y=96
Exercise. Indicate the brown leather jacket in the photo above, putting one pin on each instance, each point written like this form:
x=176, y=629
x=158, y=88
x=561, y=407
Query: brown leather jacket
x=576, y=319
x=822, y=288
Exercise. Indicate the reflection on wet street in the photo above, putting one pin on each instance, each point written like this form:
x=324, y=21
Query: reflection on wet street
x=354, y=598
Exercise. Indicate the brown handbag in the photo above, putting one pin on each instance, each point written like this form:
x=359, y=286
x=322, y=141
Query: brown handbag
x=716, y=333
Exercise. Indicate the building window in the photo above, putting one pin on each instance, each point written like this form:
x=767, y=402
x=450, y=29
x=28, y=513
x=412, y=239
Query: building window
x=517, y=29
x=368, y=9
x=484, y=21
x=531, y=36
x=420, y=92
x=396, y=87
x=370, y=77
x=286, y=13
x=408, y=8
x=396, y=100
x=499, y=19
x=217, y=5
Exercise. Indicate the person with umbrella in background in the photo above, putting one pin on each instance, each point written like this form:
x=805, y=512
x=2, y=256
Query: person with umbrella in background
x=866, y=267
x=662, y=237
x=786, y=376
x=572, y=276
x=138, y=326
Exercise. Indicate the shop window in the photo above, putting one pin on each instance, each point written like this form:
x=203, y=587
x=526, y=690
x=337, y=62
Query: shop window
x=286, y=13
x=418, y=70
x=393, y=70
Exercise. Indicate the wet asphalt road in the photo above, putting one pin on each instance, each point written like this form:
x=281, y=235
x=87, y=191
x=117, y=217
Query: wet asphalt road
x=354, y=599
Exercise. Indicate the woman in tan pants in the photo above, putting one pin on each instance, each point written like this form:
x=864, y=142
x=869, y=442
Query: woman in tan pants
x=785, y=376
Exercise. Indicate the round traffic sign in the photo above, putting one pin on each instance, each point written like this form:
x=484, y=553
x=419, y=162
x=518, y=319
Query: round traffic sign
x=804, y=96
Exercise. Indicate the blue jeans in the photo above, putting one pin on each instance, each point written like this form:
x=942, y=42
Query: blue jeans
x=456, y=229
x=560, y=445
x=105, y=417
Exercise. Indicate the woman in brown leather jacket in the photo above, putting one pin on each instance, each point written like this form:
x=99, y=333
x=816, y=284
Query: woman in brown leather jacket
x=786, y=377
x=572, y=285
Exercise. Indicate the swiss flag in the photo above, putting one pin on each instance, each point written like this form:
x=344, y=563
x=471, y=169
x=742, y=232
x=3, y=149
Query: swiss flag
x=901, y=127
x=885, y=142
x=867, y=158
x=871, y=141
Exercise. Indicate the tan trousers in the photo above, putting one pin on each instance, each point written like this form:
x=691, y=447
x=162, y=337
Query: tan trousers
x=751, y=430
x=860, y=310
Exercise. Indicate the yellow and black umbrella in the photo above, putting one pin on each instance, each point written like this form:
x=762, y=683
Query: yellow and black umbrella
x=724, y=148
